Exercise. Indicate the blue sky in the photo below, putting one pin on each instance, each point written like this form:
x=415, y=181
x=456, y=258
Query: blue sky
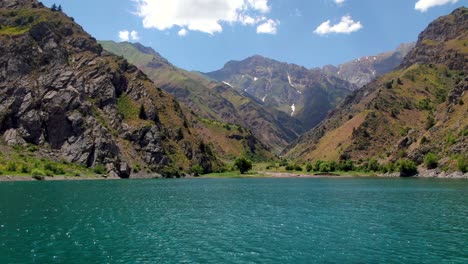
x=205, y=34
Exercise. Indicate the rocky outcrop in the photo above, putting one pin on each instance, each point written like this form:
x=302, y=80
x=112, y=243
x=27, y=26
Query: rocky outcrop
x=60, y=90
x=443, y=42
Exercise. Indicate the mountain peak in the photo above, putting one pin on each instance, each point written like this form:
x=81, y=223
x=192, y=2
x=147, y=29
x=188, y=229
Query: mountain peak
x=145, y=49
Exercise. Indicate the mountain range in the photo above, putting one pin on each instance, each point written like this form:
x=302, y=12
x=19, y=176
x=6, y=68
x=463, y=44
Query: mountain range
x=124, y=107
x=277, y=101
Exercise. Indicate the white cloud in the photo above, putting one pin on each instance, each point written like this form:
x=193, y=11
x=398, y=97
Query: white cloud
x=345, y=26
x=183, y=32
x=339, y=1
x=424, y=5
x=125, y=35
x=134, y=35
x=260, y=5
x=208, y=16
x=268, y=27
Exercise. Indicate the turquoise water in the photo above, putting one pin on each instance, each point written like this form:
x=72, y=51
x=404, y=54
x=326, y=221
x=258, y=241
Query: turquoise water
x=235, y=221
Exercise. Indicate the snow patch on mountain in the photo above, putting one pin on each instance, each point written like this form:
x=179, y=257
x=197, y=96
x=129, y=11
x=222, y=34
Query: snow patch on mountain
x=290, y=82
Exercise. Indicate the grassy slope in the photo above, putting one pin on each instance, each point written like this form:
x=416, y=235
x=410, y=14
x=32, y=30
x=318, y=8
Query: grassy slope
x=376, y=126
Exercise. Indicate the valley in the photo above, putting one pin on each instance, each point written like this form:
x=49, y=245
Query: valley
x=74, y=106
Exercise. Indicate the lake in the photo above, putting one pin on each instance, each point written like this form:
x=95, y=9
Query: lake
x=348, y=220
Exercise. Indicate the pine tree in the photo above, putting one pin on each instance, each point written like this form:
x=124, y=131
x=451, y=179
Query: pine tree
x=54, y=7
x=59, y=8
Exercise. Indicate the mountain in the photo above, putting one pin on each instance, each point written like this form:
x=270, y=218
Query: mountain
x=419, y=108
x=212, y=100
x=74, y=102
x=294, y=90
x=363, y=70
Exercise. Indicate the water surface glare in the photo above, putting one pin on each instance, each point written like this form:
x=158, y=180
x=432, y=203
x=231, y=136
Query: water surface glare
x=354, y=220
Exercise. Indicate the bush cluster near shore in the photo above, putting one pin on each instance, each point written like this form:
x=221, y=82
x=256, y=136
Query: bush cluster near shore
x=405, y=167
x=23, y=161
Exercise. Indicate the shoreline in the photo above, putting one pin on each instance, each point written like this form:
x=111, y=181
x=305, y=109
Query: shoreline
x=262, y=174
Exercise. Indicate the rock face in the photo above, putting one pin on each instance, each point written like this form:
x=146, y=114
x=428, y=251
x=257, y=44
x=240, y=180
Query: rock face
x=59, y=89
x=443, y=42
x=418, y=108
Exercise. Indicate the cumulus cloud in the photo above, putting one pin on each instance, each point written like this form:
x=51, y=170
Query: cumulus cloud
x=424, y=5
x=268, y=27
x=134, y=35
x=345, y=26
x=339, y=1
x=183, y=32
x=206, y=16
x=125, y=35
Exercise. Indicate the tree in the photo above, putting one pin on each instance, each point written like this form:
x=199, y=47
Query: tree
x=243, y=164
x=54, y=7
x=59, y=8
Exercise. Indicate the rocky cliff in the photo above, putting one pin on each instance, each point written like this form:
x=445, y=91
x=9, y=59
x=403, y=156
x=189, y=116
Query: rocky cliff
x=61, y=91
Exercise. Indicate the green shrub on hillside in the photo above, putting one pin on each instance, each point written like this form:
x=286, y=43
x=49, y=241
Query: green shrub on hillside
x=11, y=166
x=431, y=161
x=297, y=168
x=309, y=167
x=196, y=170
x=346, y=165
x=430, y=121
x=24, y=168
x=37, y=172
x=243, y=165
x=462, y=164
x=406, y=167
x=388, y=168
x=373, y=165
x=324, y=167
x=53, y=168
x=99, y=169
x=171, y=172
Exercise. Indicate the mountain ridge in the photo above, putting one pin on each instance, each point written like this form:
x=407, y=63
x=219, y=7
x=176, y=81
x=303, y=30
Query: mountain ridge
x=419, y=108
